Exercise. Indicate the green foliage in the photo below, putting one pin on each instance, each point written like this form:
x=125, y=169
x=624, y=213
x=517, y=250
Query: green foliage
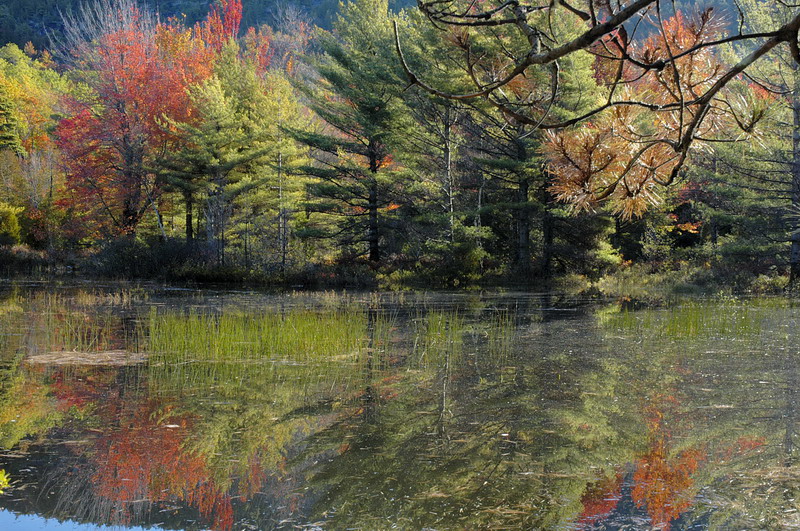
x=234, y=161
x=25, y=411
x=295, y=336
x=324, y=168
x=9, y=134
x=357, y=95
x=5, y=481
x=9, y=224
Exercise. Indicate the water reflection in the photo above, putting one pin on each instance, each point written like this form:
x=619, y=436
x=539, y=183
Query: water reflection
x=237, y=411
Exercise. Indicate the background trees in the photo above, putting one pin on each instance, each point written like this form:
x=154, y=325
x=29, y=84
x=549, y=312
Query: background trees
x=515, y=144
x=234, y=146
x=31, y=92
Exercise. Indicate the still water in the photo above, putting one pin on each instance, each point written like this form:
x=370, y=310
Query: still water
x=141, y=407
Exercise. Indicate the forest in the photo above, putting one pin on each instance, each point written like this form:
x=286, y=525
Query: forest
x=597, y=145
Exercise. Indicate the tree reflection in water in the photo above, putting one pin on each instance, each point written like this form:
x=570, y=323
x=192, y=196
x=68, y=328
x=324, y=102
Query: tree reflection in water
x=474, y=413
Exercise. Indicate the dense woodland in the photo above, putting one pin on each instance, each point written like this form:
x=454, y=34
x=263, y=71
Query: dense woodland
x=585, y=144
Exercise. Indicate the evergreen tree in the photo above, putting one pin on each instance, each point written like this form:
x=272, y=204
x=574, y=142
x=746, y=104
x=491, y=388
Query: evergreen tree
x=265, y=221
x=442, y=235
x=224, y=150
x=9, y=126
x=356, y=95
x=531, y=230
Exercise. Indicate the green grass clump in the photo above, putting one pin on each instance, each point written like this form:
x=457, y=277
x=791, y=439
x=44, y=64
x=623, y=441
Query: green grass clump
x=295, y=335
x=501, y=337
x=439, y=339
x=74, y=331
x=267, y=352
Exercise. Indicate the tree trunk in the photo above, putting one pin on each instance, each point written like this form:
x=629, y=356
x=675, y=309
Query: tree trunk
x=478, y=222
x=162, y=233
x=282, y=221
x=548, y=236
x=521, y=214
x=523, y=230
x=189, y=202
x=794, y=257
x=373, y=236
x=217, y=218
x=448, y=168
x=373, y=233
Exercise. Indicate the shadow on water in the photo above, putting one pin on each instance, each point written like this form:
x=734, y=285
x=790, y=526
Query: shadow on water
x=181, y=410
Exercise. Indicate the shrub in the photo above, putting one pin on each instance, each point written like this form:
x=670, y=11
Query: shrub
x=131, y=257
x=9, y=224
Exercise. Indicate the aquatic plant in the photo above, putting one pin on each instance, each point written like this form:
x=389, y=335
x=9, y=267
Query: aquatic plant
x=439, y=339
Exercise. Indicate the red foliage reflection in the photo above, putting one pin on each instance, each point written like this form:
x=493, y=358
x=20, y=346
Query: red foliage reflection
x=663, y=480
x=600, y=499
x=145, y=461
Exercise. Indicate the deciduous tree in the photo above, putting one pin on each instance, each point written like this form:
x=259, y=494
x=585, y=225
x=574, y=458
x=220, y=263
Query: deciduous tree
x=138, y=71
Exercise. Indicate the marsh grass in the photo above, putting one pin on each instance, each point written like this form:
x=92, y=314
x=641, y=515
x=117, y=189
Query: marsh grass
x=74, y=331
x=81, y=322
x=383, y=335
x=122, y=298
x=341, y=340
x=439, y=339
x=289, y=336
x=696, y=320
x=306, y=349
x=501, y=336
x=11, y=305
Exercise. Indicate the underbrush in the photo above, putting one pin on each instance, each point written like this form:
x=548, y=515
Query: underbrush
x=22, y=260
x=175, y=260
x=648, y=282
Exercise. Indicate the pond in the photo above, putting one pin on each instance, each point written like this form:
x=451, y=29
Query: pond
x=177, y=409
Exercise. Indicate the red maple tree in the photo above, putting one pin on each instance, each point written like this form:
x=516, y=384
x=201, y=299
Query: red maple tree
x=139, y=71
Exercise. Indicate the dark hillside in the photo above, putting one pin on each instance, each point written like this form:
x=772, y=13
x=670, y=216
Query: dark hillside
x=22, y=21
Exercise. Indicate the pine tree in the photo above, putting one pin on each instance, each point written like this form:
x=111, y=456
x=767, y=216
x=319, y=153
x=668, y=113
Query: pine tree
x=222, y=146
x=9, y=126
x=529, y=224
x=356, y=95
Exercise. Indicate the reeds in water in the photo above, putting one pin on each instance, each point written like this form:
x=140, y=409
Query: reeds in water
x=290, y=336
x=501, y=336
x=303, y=347
x=439, y=339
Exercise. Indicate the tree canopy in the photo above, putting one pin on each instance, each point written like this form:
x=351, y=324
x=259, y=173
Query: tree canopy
x=450, y=143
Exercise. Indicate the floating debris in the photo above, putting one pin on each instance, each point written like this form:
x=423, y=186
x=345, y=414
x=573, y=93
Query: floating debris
x=115, y=358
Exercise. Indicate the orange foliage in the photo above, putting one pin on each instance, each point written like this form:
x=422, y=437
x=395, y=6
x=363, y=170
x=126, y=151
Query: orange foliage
x=663, y=482
x=748, y=444
x=600, y=499
x=624, y=155
x=254, y=479
x=82, y=387
x=385, y=162
x=141, y=76
x=691, y=228
x=258, y=47
x=743, y=446
x=145, y=460
x=221, y=25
